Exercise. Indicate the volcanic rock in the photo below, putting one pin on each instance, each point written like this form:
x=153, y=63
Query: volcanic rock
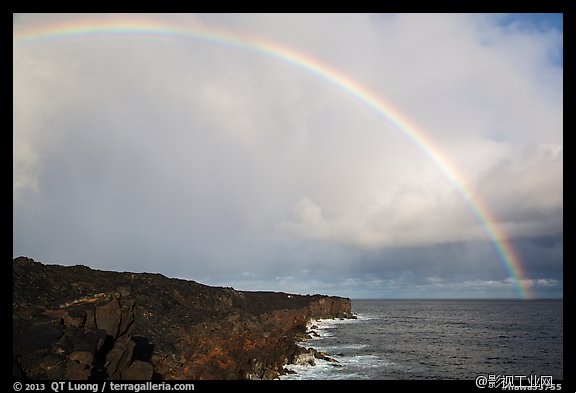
x=79, y=323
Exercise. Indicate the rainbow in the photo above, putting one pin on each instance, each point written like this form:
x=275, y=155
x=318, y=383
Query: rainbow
x=137, y=26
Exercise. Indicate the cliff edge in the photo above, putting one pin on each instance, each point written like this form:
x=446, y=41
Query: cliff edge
x=78, y=323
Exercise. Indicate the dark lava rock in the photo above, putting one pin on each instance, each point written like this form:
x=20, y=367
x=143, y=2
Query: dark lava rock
x=138, y=370
x=79, y=323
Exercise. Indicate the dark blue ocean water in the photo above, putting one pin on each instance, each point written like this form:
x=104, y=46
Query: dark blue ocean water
x=440, y=340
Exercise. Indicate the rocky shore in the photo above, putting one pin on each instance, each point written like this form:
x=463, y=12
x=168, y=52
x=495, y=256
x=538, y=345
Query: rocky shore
x=84, y=324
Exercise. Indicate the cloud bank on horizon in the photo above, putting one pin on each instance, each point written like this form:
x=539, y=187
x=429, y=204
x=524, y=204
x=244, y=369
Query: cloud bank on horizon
x=212, y=162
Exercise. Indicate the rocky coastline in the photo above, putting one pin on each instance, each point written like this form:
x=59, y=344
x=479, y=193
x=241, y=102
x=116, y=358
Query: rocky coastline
x=77, y=323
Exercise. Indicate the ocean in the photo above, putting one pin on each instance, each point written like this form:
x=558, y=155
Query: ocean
x=439, y=340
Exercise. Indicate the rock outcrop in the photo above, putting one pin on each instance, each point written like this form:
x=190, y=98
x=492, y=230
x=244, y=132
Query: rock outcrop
x=79, y=323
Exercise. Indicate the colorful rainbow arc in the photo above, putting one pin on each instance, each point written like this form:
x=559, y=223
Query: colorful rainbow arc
x=502, y=246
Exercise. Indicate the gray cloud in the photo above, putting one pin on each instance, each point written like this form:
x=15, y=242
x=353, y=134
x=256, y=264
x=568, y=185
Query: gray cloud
x=199, y=159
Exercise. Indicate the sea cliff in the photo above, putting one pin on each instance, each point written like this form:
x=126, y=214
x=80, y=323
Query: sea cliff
x=78, y=323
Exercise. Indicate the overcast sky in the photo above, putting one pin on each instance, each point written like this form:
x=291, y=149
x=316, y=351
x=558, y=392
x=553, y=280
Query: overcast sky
x=222, y=164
